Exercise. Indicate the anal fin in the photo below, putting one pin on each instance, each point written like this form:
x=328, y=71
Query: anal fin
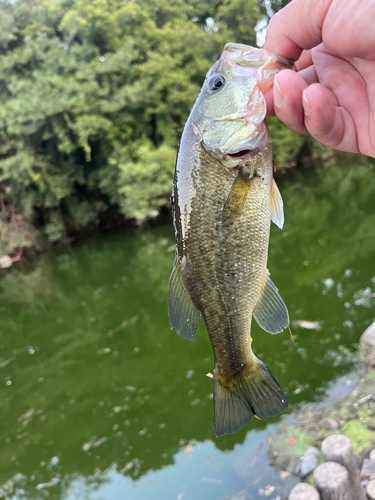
x=271, y=313
x=183, y=315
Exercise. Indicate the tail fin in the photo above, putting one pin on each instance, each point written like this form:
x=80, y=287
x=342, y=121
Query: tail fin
x=253, y=393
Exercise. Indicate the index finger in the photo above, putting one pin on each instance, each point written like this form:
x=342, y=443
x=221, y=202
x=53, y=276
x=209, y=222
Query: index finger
x=296, y=27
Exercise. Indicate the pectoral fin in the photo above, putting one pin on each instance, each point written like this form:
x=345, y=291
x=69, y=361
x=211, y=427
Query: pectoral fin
x=277, y=206
x=183, y=315
x=271, y=313
x=237, y=197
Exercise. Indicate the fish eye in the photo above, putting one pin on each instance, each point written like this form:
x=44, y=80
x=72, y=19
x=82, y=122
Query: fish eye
x=216, y=82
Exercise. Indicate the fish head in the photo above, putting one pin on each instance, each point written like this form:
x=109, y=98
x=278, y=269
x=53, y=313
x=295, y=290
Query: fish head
x=232, y=109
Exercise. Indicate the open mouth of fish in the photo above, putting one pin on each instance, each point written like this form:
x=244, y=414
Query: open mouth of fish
x=244, y=149
x=243, y=153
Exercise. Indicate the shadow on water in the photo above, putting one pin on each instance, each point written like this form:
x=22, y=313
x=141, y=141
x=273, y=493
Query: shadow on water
x=100, y=399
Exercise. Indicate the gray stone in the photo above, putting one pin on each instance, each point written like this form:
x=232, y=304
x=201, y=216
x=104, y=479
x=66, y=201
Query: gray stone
x=367, y=341
x=338, y=448
x=372, y=455
x=368, y=469
x=332, y=481
x=370, y=490
x=303, y=491
x=308, y=462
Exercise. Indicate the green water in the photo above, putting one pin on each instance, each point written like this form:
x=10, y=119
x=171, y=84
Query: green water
x=101, y=400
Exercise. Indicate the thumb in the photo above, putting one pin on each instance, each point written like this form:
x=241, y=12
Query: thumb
x=296, y=27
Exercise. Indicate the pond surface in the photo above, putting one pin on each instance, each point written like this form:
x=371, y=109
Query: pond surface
x=99, y=399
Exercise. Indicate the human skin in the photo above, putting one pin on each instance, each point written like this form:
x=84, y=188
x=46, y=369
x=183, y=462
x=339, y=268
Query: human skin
x=332, y=94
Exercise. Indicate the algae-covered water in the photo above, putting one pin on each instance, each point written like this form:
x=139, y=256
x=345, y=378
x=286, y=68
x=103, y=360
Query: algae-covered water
x=99, y=399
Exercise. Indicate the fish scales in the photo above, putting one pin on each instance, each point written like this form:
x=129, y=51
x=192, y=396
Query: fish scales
x=222, y=207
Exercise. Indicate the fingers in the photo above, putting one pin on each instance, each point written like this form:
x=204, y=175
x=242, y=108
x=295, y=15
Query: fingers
x=286, y=101
x=309, y=108
x=288, y=105
x=296, y=27
x=334, y=108
x=290, y=85
x=326, y=121
x=304, y=61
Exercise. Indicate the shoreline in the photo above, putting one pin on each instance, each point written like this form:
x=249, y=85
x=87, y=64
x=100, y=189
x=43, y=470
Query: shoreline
x=352, y=416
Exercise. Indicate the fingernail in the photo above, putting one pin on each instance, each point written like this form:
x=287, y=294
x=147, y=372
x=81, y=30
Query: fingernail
x=278, y=96
x=306, y=104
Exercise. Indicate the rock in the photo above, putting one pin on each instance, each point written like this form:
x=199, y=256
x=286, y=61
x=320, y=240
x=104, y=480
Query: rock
x=308, y=462
x=287, y=447
x=304, y=491
x=332, y=424
x=370, y=490
x=332, y=482
x=5, y=261
x=372, y=455
x=367, y=342
x=267, y=491
x=368, y=469
x=338, y=448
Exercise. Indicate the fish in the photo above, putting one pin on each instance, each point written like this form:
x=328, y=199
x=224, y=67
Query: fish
x=223, y=200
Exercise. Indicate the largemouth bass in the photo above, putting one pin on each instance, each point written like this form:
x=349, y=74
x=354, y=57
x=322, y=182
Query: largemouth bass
x=223, y=200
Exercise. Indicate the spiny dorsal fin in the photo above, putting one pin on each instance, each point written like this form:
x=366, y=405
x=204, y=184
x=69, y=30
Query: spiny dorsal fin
x=184, y=317
x=271, y=313
x=277, y=210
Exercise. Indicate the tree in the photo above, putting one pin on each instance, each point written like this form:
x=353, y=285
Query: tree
x=94, y=97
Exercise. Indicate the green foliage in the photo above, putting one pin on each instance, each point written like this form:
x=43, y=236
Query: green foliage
x=285, y=144
x=54, y=229
x=141, y=189
x=15, y=233
x=94, y=97
x=271, y=7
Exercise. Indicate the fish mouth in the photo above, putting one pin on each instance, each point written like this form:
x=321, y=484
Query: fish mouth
x=242, y=150
x=244, y=153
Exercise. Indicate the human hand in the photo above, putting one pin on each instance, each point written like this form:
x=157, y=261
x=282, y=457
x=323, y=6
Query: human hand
x=332, y=94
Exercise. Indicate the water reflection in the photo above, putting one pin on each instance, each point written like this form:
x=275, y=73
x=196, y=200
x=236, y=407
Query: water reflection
x=100, y=398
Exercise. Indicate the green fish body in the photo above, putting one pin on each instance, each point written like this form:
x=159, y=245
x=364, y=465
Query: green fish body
x=223, y=200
